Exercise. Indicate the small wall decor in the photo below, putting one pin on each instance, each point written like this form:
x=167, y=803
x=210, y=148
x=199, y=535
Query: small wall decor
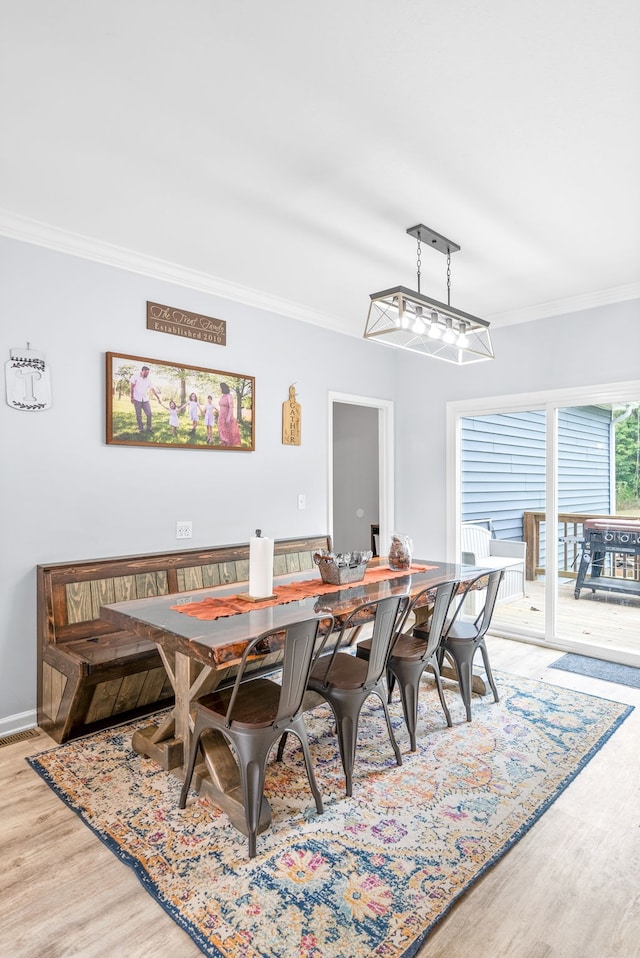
x=151, y=402
x=28, y=383
x=179, y=322
x=291, y=420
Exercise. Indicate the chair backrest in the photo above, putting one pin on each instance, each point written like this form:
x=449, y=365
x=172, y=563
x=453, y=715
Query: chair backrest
x=384, y=634
x=298, y=642
x=442, y=601
x=385, y=613
x=475, y=541
x=483, y=618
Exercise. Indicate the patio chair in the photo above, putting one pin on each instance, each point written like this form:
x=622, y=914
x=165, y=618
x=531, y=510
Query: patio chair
x=254, y=714
x=481, y=549
x=411, y=654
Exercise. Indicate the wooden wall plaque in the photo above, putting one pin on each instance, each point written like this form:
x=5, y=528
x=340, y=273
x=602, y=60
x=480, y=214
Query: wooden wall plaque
x=180, y=322
x=291, y=420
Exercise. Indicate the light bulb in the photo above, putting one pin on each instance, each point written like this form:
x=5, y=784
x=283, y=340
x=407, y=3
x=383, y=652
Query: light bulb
x=449, y=336
x=434, y=330
x=463, y=340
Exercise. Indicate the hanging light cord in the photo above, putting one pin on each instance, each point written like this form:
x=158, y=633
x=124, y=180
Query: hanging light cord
x=448, y=276
x=419, y=261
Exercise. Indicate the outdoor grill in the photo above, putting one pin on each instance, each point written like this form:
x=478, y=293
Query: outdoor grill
x=610, y=556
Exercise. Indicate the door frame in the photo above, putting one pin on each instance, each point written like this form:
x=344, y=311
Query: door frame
x=386, y=463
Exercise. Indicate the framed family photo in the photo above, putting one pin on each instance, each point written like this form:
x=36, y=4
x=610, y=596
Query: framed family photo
x=151, y=402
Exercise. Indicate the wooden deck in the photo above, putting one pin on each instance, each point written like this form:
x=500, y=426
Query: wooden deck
x=609, y=622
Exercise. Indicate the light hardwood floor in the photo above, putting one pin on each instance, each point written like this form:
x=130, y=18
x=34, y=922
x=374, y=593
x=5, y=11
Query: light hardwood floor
x=609, y=621
x=569, y=889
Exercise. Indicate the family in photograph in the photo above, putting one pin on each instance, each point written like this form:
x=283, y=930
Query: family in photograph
x=220, y=411
x=141, y=389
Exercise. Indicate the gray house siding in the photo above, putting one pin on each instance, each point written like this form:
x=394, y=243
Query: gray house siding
x=503, y=464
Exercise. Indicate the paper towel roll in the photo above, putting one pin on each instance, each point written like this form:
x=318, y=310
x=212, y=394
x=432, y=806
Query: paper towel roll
x=260, y=567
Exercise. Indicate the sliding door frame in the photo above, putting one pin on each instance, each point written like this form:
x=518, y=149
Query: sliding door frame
x=550, y=401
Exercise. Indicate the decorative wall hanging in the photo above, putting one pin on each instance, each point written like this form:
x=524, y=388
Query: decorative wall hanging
x=291, y=420
x=179, y=322
x=151, y=402
x=28, y=383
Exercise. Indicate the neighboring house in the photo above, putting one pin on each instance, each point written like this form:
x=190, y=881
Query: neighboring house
x=503, y=471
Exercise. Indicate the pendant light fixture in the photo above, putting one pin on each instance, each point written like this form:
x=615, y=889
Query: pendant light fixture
x=407, y=319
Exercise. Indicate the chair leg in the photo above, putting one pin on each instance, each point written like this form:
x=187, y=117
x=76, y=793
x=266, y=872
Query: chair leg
x=315, y=791
x=252, y=777
x=394, y=744
x=487, y=668
x=438, y=678
x=391, y=681
x=195, y=743
x=464, y=669
x=409, y=698
x=347, y=729
x=281, y=745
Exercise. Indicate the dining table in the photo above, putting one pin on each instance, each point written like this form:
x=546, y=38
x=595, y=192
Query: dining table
x=201, y=636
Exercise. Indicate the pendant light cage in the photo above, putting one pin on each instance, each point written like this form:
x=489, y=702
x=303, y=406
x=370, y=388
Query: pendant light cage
x=407, y=319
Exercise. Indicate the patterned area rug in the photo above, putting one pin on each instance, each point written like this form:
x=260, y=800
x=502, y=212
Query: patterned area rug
x=374, y=873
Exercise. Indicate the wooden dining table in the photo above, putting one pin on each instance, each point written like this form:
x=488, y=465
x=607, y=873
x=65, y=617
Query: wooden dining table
x=199, y=653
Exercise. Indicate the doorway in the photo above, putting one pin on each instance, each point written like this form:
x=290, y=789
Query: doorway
x=360, y=464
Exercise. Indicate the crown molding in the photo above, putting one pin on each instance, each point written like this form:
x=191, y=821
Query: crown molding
x=574, y=304
x=37, y=233
x=26, y=230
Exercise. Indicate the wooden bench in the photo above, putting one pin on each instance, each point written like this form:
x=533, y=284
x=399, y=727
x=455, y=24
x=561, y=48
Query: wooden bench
x=90, y=676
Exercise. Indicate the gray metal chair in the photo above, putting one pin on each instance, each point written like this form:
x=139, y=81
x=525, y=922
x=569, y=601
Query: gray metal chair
x=255, y=713
x=346, y=681
x=411, y=654
x=462, y=639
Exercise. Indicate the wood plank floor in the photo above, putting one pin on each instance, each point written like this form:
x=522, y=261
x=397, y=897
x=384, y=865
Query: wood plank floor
x=608, y=621
x=569, y=889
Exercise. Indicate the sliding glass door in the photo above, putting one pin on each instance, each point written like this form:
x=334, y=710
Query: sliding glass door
x=554, y=480
x=503, y=463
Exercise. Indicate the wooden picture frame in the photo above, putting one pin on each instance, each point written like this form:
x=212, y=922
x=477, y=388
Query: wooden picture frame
x=154, y=402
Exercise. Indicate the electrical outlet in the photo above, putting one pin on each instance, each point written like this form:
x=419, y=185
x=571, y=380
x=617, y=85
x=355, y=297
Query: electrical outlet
x=302, y=501
x=184, y=529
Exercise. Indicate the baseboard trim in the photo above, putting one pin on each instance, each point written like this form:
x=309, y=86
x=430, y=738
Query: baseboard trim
x=12, y=724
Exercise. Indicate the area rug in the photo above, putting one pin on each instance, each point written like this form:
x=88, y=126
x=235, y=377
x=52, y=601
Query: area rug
x=374, y=873
x=598, y=669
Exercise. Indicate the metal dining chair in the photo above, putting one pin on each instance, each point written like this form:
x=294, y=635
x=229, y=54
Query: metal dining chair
x=255, y=713
x=346, y=681
x=411, y=654
x=463, y=638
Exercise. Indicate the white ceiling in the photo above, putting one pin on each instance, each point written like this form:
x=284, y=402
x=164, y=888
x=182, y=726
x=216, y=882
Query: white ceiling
x=279, y=149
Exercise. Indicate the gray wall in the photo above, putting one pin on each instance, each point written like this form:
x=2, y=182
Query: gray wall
x=355, y=476
x=65, y=494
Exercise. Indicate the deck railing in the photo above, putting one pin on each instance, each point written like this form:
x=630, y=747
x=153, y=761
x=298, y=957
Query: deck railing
x=569, y=538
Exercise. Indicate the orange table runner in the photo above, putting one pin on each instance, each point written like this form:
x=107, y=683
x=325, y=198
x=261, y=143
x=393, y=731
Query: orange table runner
x=215, y=608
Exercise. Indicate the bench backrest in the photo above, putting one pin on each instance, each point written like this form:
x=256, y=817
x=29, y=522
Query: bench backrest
x=475, y=541
x=70, y=594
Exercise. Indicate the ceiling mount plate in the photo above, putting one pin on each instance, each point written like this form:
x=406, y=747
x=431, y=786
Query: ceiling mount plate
x=431, y=238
